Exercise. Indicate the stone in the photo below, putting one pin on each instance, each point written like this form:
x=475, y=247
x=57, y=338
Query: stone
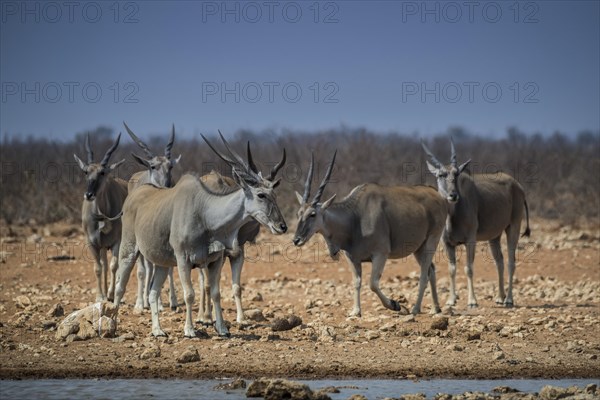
x=285, y=324
x=236, y=384
x=254, y=315
x=105, y=327
x=22, y=301
x=372, y=335
x=455, y=347
x=86, y=331
x=408, y=318
x=188, y=356
x=57, y=310
x=440, y=323
x=549, y=392
x=504, y=389
x=151, y=352
x=99, y=318
x=499, y=355
x=258, y=387
x=275, y=389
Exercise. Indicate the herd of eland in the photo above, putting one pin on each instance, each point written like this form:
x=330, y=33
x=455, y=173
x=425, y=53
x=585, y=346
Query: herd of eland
x=200, y=221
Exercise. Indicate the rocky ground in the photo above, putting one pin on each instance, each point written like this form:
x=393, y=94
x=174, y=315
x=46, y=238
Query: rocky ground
x=552, y=332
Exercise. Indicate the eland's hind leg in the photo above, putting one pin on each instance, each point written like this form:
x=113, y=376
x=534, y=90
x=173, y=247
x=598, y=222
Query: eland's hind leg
x=424, y=256
x=512, y=239
x=128, y=254
x=433, y=287
x=158, y=279
x=496, y=250
x=141, y=284
x=114, y=266
x=205, y=309
x=378, y=261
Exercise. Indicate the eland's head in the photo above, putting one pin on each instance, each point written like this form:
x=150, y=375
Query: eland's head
x=446, y=175
x=260, y=200
x=310, y=213
x=159, y=167
x=96, y=173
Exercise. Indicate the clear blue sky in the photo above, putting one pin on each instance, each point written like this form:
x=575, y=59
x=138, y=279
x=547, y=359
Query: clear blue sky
x=388, y=66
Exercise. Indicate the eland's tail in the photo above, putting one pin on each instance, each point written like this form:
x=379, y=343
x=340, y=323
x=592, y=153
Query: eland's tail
x=527, y=229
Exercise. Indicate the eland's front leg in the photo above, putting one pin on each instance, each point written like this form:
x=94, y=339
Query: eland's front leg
x=214, y=276
x=470, y=245
x=185, y=271
x=451, y=254
x=100, y=294
x=172, y=291
x=237, y=263
x=356, y=269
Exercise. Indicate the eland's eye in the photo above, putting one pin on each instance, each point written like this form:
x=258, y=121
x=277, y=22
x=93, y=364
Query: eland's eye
x=261, y=195
x=443, y=174
x=313, y=214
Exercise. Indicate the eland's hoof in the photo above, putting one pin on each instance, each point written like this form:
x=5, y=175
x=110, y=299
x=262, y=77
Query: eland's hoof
x=159, y=333
x=508, y=304
x=395, y=306
x=473, y=305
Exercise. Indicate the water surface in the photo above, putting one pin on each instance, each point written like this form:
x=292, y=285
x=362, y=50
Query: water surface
x=205, y=389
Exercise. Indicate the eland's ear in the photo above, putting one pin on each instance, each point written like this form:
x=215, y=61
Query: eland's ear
x=328, y=202
x=141, y=160
x=299, y=197
x=432, y=168
x=116, y=165
x=463, y=166
x=276, y=183
x=176, y=161
x=81, y=164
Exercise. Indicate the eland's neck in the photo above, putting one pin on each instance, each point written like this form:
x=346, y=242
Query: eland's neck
x=224, y=215
x=338, y=228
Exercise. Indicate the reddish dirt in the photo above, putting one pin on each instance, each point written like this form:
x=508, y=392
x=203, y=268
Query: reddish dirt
x=552, y=331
